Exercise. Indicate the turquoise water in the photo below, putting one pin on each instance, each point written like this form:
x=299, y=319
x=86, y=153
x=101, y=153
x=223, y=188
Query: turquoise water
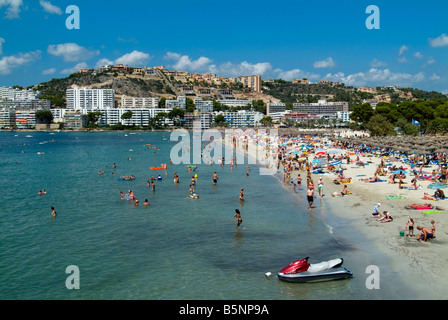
x=177, y=248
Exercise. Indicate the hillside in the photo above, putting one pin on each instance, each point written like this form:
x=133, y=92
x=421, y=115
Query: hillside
x=126, y=83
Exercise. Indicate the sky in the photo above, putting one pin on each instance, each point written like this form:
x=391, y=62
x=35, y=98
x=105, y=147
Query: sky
x=284, y=39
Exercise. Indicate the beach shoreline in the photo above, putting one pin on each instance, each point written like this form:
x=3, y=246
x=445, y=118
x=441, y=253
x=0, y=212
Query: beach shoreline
x=422, y=262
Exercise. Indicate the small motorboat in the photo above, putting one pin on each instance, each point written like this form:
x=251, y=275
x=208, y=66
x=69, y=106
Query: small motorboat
x=302, y=271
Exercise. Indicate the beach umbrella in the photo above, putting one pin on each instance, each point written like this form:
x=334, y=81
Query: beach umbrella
x=399, y=171
x=334, y=151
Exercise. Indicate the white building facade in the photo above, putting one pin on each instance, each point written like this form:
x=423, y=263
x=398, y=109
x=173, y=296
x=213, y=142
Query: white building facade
x=84, y=98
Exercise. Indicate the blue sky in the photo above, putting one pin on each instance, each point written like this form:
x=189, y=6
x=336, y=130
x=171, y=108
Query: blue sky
x=278, y=39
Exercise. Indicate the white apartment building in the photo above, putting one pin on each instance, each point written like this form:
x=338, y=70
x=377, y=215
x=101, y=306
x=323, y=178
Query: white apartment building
x=7, y=118
x=180, y=103
x=203, y=105
x=84, y=98
x=58, y=114
x=343, y=116
x=241, y=118
x=8, y=93
x=140, y=116
x=234, y=102
x=139, y=102
x=321, y=107
x=275, y=108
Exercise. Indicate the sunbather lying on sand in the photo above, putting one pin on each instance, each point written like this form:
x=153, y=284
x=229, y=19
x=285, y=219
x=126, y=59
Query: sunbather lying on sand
x=426, y=196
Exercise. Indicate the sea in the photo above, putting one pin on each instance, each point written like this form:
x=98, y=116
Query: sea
x=176, y=248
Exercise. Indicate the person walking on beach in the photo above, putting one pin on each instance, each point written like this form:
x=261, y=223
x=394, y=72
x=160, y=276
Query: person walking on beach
x=237, y=215
x=320, y=187
x=299, y=181
x=310, y=196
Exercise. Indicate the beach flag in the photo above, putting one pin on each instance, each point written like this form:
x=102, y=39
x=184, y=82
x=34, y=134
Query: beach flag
x=415, y=122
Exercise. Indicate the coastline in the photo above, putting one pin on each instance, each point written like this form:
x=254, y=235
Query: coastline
x=422, y=262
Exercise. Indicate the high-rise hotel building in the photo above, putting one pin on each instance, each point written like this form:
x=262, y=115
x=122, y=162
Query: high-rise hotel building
x=83, y=98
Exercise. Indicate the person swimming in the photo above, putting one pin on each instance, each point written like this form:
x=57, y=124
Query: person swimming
x=215, y=177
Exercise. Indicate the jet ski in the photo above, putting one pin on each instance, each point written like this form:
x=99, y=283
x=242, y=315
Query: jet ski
x=302, y=271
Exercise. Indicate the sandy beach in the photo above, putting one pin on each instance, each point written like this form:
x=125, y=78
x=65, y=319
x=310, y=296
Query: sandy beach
x=422, y=262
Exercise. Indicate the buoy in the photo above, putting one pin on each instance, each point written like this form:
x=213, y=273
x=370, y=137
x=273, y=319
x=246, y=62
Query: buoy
x=267, y=274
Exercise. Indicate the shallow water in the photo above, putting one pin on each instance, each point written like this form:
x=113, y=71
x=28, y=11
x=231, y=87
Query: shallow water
x=177, y=248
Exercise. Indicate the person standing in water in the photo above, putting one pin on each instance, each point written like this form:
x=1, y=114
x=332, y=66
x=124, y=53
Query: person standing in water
x=310, y=196
x=53, y=212
x=237, y=215
x=242, y=195
x=215, y=178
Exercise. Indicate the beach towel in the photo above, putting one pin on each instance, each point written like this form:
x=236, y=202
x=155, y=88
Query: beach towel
x=412, y=188
x=395, y=197
x=434, y=211
x=418, y=208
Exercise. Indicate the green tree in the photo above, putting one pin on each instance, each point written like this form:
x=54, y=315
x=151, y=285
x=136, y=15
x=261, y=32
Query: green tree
x=92, y=118
x=259, y=106
x=378, y=125
x=126, y=115
x=362, y=113
x=190, y=106
x=220, y=121
x=411, y=129
x=266, y=121
x=44, y=116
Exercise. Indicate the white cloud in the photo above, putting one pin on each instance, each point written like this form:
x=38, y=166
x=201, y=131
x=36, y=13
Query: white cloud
x=434, y=77
x=135, y=58
x=327, y=63
x=295, y=74
x=243, y=69
x=81, y=65
x=15, y=61
x=49, y=71
x=184, y=63
x=50, y=8
x=103, y=62
x=430, y=61
x=228, y=69
x=440, y=41
x=377, y=76
x=13, y=8
x=2, y=41
x=403, y=49
x=376, y=63
x=418, y=55
x=71, y=52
